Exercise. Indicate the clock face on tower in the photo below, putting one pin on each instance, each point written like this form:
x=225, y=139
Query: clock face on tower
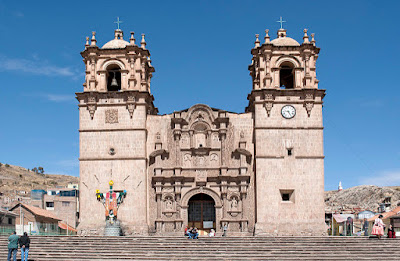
x=288, y=111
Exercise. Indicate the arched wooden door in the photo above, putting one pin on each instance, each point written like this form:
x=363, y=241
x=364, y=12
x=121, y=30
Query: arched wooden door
x=201, y=212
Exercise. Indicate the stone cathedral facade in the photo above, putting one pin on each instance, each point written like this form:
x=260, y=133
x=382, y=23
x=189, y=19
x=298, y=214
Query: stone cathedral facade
x=260, y=172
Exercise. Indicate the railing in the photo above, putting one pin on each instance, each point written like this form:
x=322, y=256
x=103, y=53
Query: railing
x=6, y=230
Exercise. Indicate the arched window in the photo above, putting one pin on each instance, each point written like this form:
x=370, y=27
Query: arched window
x=286, y=76
x=113, y=78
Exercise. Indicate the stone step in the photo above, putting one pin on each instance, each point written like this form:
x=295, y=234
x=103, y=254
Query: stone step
x=179, y=248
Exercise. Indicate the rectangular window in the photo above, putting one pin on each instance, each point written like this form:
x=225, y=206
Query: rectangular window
x=10, y=221
x=289, y=152
x=287, y=195
x=65, y=204
x=49, y=204
x=68, y=193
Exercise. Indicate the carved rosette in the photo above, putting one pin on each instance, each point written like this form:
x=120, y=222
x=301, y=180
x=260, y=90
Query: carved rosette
x=111, y=116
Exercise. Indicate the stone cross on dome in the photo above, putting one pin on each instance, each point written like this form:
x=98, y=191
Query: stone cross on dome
x=120, y=22
x=281, y=21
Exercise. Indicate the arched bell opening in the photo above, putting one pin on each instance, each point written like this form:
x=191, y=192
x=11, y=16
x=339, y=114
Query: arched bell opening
x=286, y=76
x=201, y=212
x=113, y=78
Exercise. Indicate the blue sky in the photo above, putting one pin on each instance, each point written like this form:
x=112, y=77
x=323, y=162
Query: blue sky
x=201, y=50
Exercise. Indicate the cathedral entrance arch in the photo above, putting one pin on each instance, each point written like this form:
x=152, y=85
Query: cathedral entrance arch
x=211, y=204
x=201, y=212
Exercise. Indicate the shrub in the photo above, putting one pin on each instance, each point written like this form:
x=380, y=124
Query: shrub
x=7, y=165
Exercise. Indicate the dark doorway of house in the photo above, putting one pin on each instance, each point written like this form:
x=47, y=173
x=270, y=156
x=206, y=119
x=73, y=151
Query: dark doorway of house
x=201, y=212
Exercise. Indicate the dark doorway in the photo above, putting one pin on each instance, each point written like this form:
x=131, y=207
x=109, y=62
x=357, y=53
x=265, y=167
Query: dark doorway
x=201, y=212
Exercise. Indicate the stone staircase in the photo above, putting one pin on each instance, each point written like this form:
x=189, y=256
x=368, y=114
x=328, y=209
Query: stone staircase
x=218, y=248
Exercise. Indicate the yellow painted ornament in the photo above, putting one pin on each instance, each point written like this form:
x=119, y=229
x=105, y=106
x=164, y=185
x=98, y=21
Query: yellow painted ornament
x=111, y=182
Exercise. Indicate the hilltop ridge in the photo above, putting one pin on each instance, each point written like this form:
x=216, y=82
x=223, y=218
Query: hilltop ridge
x=365, y=197
x=17, y=181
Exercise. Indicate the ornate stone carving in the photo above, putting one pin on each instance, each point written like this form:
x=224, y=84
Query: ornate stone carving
x=187, y=157
x=130, y=105
x=200, y=161
x=214, y=157
x=201, y=175
x=215, y=137
x=309, y=102
x=111, y=116
x=92, y=110
x=269, y=103
x=91, y=106
x=309, y=106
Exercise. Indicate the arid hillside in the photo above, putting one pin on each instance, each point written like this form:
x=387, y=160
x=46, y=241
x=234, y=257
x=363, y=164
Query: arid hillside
x=16, y=181
x=365, y=197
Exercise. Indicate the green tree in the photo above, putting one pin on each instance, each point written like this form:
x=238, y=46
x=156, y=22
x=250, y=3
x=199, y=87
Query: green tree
x=41, y=170
x=35, y=170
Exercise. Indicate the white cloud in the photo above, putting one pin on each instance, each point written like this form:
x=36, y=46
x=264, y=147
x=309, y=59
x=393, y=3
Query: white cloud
x=386, y=178
x=35, y=66
x=59, y=98
x=69, y=163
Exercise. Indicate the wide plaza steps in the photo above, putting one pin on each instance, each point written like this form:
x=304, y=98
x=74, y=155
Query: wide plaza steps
x=59, y=248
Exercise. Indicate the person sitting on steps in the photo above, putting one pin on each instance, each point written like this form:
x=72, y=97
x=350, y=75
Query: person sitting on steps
x=195, y=233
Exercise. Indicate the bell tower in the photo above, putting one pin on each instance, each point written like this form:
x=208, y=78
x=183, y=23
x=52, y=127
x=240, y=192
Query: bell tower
x=286, y=104
x=113, y=109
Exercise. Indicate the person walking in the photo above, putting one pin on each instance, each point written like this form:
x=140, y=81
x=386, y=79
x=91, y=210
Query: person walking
x=24, y=242
x=12, y=247
x=378, y=228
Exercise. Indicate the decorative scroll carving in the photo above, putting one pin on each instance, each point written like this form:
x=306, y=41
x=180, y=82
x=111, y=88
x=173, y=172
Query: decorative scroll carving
x=111, y=116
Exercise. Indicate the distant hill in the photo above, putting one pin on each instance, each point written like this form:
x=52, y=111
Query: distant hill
x=365, y=197
x=15, y=180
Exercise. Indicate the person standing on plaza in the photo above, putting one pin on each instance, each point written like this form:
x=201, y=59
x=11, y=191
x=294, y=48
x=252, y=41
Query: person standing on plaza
x=225, y=228
x=24, y=242
x=365, y=227
x=378, y=228
x=12, y=247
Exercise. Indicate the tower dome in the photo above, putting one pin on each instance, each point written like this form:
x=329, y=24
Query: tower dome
x=283, y=40
x=118, y=42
